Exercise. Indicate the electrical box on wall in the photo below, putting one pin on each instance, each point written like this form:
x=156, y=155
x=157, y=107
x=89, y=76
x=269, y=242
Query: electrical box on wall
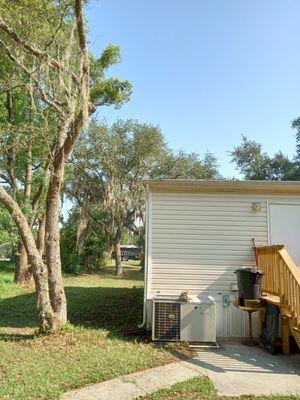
x=190, y=321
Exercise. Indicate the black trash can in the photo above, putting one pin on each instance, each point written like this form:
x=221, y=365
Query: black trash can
x=249, y=283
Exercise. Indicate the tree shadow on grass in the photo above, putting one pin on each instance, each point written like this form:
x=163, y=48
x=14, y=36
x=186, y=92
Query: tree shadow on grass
x=15, y=337
x=19, y=311
x=108, y=308
x=111, y=308
x=7, y=266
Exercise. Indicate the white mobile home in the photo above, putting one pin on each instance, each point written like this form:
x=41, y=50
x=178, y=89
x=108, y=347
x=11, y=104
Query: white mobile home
x=199, y=232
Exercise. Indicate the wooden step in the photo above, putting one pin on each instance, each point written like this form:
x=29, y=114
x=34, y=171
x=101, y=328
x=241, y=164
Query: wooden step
x=296, y=333
x=285, y=312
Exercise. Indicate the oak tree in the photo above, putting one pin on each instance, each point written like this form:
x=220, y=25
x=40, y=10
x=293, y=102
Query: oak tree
x=109, y=164
x=255, y=164
x=50, y=48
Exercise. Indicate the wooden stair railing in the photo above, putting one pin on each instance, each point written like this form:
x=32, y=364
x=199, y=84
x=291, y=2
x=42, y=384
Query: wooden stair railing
x=281, y=283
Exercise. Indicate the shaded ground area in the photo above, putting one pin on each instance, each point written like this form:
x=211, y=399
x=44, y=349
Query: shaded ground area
x=88, y=350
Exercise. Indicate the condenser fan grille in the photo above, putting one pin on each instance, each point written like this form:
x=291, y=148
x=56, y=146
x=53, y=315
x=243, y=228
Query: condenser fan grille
x=166, y=321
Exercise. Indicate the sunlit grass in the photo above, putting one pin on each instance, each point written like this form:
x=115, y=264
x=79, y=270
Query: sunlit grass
x=201, y=388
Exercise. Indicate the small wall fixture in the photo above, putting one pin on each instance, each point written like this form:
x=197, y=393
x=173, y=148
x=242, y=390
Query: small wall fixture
x=256, y=207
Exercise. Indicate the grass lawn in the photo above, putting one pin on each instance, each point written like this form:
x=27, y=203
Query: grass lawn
x=202, y=389
x=88, y=350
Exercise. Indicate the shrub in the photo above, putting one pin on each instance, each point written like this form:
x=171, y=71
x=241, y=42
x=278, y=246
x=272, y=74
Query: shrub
x=93, y=251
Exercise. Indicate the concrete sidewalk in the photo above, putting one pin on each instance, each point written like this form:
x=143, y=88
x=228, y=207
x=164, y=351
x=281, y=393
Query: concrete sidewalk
x=235, y=370
x=137, y=384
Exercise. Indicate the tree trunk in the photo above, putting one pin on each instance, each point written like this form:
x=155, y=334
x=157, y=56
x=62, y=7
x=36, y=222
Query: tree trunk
x=65, y=144
x=119, y=270
x=56, y=287
x=47, y=320
x=23, y=272
x=40, y=240
x=46, y=315
x=29, y=172
x=82, y=230
x=64, y=147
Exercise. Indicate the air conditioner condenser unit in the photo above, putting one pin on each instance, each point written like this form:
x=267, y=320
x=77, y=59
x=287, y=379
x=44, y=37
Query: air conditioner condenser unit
x=191, y=321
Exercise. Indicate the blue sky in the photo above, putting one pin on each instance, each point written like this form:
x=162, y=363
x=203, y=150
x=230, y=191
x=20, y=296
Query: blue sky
x=206, y=71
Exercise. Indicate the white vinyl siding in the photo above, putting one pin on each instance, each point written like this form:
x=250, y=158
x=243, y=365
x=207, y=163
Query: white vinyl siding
x=197, y=240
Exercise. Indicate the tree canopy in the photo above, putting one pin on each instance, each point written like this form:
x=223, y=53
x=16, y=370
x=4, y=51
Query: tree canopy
x=108, y=167
x=182, y=165
x=254, y=163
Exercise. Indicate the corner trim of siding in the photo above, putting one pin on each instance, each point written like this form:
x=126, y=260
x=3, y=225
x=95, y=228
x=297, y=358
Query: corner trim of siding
x=149, y=246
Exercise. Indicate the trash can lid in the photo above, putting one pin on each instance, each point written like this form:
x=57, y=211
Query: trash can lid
x=250, y=270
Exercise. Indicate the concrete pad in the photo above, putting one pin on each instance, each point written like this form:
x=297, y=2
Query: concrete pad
x=235, y=370
x=240, y=370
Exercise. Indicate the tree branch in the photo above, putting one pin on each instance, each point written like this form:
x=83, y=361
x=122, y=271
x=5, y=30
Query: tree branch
x=79, y=5
x=91, y=215
x=10, y=151
x=40, y=191
x=67, y=146
x=43, y=96
x=32, y=49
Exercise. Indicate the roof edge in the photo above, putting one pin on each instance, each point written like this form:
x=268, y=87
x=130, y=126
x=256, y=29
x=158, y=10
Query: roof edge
x=288, y=187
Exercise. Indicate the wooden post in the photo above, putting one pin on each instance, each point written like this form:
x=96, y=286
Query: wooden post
x=285, y=335
x=261, y=318
x=281, y=281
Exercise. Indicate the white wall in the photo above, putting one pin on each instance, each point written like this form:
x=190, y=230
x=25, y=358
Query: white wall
x=196, y=242
x=284, y=227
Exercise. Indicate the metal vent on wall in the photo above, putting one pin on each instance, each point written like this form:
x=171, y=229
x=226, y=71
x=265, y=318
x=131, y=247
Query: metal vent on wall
x=166, y=321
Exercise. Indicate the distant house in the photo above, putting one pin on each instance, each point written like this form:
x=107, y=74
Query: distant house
x=199, y=232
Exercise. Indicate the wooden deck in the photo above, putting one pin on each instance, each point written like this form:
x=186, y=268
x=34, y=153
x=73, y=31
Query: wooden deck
x=281, y=286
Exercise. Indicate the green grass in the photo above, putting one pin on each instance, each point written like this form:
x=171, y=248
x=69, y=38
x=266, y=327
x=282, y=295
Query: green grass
x=7, y=285
x=89, y=349
x=196, y=388
x=202, y=389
